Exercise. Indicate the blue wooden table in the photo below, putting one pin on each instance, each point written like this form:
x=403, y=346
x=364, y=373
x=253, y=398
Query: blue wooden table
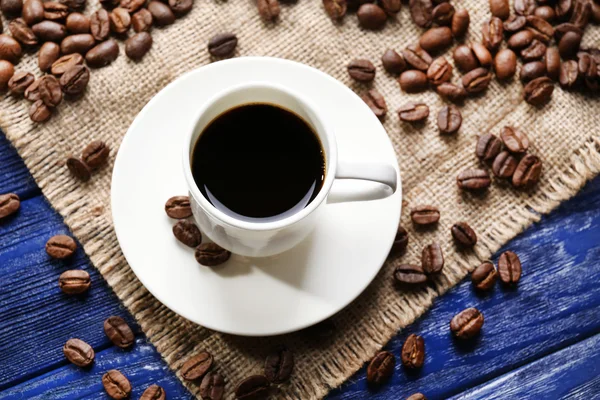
x=541, y=340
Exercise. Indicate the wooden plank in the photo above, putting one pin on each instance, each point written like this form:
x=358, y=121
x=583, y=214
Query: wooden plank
x=14, y=176
x=573, y=372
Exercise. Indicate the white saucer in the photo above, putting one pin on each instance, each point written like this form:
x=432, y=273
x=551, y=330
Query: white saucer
x=264, y=296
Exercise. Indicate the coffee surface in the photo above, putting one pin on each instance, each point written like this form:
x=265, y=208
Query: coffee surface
x=258, y=161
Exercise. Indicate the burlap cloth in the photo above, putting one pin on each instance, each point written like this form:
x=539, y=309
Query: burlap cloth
x=564, y=133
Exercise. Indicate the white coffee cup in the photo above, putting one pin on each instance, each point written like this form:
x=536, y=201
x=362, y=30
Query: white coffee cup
x=260, y=238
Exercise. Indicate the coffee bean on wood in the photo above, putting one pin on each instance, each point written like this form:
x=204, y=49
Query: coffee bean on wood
x=60, y=246
x=413, y=352
x=380, y=368
x=119, y=332
x=432, y=259
x=488, y=147
x=376, y=102
x=411, y=112
x=279, y=365
x=9, y=204
x=155, y=392
x=138, y=45
x=449, y=120
x=361, y=70
x=178, y=207
x=473, y=179
x=212, y=386
x=252, y=388
x=78, y=352
x=78, y=168
x=74, y=281
x=509, y=267
x=484, y=276
x=467, y=324
x=211, y=254
x=117, y=386
x=410, y=275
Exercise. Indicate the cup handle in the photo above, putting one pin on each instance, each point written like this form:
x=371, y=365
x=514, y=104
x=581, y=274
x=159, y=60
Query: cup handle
x=367, y=171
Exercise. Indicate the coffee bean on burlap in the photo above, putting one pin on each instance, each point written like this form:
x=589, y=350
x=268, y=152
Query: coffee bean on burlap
x=75, y=80
x=460, y=23
x=22, y=33
x=552, y=60
x=120, y=20
x=476, y=80
x=60, y=246
x=569, y=44
x=65, y=63
x=279, y=365
x=212, y=386
x=109, y=4
x=267, y=9
x=473, y=179
x=410, y=275
x=78, y=23
x=371, y=16
x=222, y=45
x=19, y=82
x=539, y=91
x=535, y=51
x=102, y=54
x=380, y=368
x=449, y=120
x=582, y=11
x=376, y=102
x=416, y=396
x=425, y=215
x=119, y=332
x=413, y=352
x=78, y=352
x=564, y=8
x=336, y=9
x=525, y=7
x=142, y=20
x=155, y=392
x=187, y=233
x=131, y=5
x=482, y=54
x=400, y=241
x=138, y=45
x=520, y=40
x=181, y=7
x=39, y=112
x=436, y=39
x=55, y=11
x=492, y=34
x=467, y=323
x=211, y=254
x=561, y=29
x=546, y=13
x=464, y=58
x=411, y=112
x=11, y=7
x=413, y=81
x=100, y=25
x=393, y=62
x=10, y=49
x=421, y=12
x=588, y=70
x=463, y=235
x=78, y=168
x=569, y=74
x=178, y=207
x=484, y=276
x=451, y=92
x=528, y=171
x=33, y=12
x=74, y=281
x=117, y=386
x=532, y=70
x=197, y=366
x=443, y=14
x=417, y=57
x=432, y=259
x=439, y=71
x=252, y=388
x=9, y=204
x=515, y=140
x=49, y=31
x=504, y=165
x=488, y=147
x=509, y=267
x=505, y=64
x=361, y=70
x=500, y=8
x=7, y=70
x=79, y=43
x=514, y=24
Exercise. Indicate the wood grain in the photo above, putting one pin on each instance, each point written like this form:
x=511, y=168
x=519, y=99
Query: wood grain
x=14, y=176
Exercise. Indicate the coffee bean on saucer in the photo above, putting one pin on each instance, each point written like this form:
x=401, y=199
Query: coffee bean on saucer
x=509, y=267
x=504, y=165
x=197, y=366
x=117, y=330
x=467, y=323
x=79, y=352
x=75, y=80
x=413, y=352
x=449, y=119
x=473, y=179
x=411, y=112
x=460, y=23
x=178, y=207
x=371, y=16
x=439, y=71
x=20, y=82
x=484, y=276
x=400, y=241
x=416, y=396
x=117, y=386
x=222, y=45
x=376, y=102
x=138, y=45
x=421, y=12
x=425, y=215
x=279, y=365
x=410, y=275
x=252, y=388
x=463, y=234
x=155, y=392
x=268, y=9
x=527, y=172
x=336, y=9
x=211, y=254
x=74, y=281
x=78, y=168
x=539, y=91
x=95, y=154
x=393, y=62
x=9, y=204
x=39, y=112
x=212, y=386
x=413, y=81
x=361, y=70
x=60, y=246
x=187, y=233
x=141, y=20
x=432, y=259
x=380, y=368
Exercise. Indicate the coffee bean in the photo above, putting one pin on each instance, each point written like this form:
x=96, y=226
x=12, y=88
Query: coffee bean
x=65, y=63
x=131, y=5
x=473, y=179
x=525, y=7
x=416, y=396
x=79, y=43
x=361, y=70
x=22, y=33
x=75, y=80
x=411, y=112
x=222, y=45
x=425, y=215
x=413, y=81
x=212, y=386
x=569, y=44
x=540, y=25
x=400, y=241
x=102, y=54
x=267, y=9
x=371, y=16
x=561, y=29
x=569, y=74
x=439, y=71
x=197, y=366
x=187, y=233
x=10, y=49
x=515, y=23
x=74, y=281
x=78, y=23
x=528, y=171
x=117, y=386
x=50, y=91
x=279, y=365
x=78, y=352
x=74, y=5
x=436, y=39
x=451, y=92
x=464, y=58
x=141, y=20
x=254, y=387
x=504, y=165
x=595, y=12
x=49, y=31
x=381, y=368
x=449, y=119
x=484, y=276
x=211, y=254
x=539, y=91
x=482, y=54
x=32, y=93
x=520, y=40
x=582, y=10
x=546, y=13
x=443, y=14
x=138, y=45
x=48, y=54
x=467, y=323
x=409, y=275
x=413, y=352
x=532, y=70
x=39, y=112
x=563, y=8
x=515, y=140
x=460, y=23
x=509, y=267
x=505, y=64
x=463, y=234
x=178, y=207
x=393, y=62
x=100, y=25
x=55, y=11
x=492, y=34
x=376, y=102
x=432, y=259
x=79, y=169
x=421, y=12
x=120, y=20
x=9, y=204
x=181, y=7
x=60, y=246
x=477, y=80
x=19, y=82
x=155, y=392
x=488, y=147
x=336, y=9
x=11, y=7
x=33, y=12
x=552, y=63
x=417, y=57
x=119, y=333
x=500, y=8
x=535, y=51
x=588, y=69
x=109, y=4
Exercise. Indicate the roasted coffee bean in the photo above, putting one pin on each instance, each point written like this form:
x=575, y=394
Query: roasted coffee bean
x=552, y=60
x=416, y=396
x=138, y=45
x=595, y=12
x=361, y=70
x=520, y=40
x=492, y=34
x=482, y=54
x=413, y=112
x=197, y=366
x=39, y=112
x=50, y=91
x=254, y=387
x=588, y=69
x=539, y=91
x=540, y=25
x=391, y=7
x=393, y=62
x=117, y=386
x=509, y=267
x=451, y=92
x=473, y=179
x=463, y=234
x=477, y=80
x=535, y=51
x=33, y=12
x=484, y=276
x=500, y=8
x=488, y=147
x=47, y=55
x=49, y=31
x=131, y=5
x=155, y=392
x=400, y=241
x=432, y=259
x=22, y=33
x=75, y=80
x=141, y=20
x=55, y=11
x=439, y=71
x=10, y=204
x=460, y=23
x=409, y=275
x=449, y=120
x=279, y=365
x=109, y=4
x=505, y=64
x=187, y=233
x=436, y=39
x=569, y=74
x=162, y=14
x=222, y=45
x=376, y=102
x=78, y=352
x=515, y=140
x=525, y=7
x=212, y=386
x=582, y=10
x=371, y=16
x=78, y=168
x=10, y=49
x=425, y=215
x=417, y=57
x=546, y=13
x=80, y=43
x=74, y=281
x=100, y=25
x=120, y=20
x=569, y=44
x=32, y=93
x=413, y=81
x=267, y=9
x=60, y=246
x=102, y=54
x=528, y=171
x=380, y=368
x=211, y=254
x=467, y=323
x=20, y=82
x=514, y=24
x=336, y=9
x=65, y=63
x=561, y=29
x=421, y=12
x=178, y=207
x=117, y=330
x=504, y=165
x=443, y=14
x=11, y=7
x=464, y=58
x=181, y=7
x=413, y=352
x=73, y=5
x=78, y=23
x=563, y=8
x=532, y=70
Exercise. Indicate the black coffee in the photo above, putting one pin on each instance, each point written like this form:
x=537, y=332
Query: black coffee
x=258, y=161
